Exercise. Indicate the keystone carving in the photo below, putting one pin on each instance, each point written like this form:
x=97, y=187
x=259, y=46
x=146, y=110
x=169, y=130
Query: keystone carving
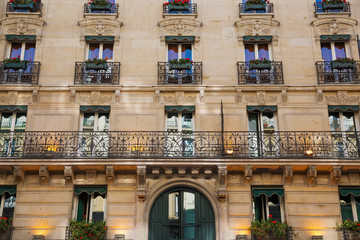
x=335, y=174
x=141, y=180
x=248, y=172
x=3, y=175
x=44, y=175
x=68, y=173
x=19, y=173
x=90, y=176
x=311, y=174
x=222, y=172
x=266, y=177
x=109, y=172
x=353, y=178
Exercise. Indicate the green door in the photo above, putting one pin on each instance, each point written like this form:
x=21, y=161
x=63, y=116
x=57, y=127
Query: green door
x=182, y=214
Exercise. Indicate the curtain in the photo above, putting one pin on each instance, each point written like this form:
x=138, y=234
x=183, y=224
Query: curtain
x=186, y=51
x=108, y=51
x=93, y=51
x=340, y=50
x=326, y=51
x=29, y=52
x=263, y=51
x=249, y=52
x=173, y=52
x=15, y=50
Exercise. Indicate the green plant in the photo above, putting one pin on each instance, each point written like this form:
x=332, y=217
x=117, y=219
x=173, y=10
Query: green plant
x=5, y=223
x=87, y=230
x=258, y=61
x=333, y=1
x=249, y=2
x=349, y=225
x=99, y=2
x=270, y=227
x=14, y=60
x=181, y=61
x=22, y=1
x=97, y=61
x=344, y=60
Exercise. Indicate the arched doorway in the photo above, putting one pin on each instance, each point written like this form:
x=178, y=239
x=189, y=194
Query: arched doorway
x=182, y=214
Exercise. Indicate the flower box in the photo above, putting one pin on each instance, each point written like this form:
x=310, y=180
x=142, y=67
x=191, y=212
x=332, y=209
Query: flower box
x=106, y=7
x=184, y=8
x=260, y=65
x=15, y=65
x=333, y=6
x=351, y=235
x=254, y=7
x=342, y=65
x=94, y=66
x=5, y=235
x=23, y=6
x=180, y=66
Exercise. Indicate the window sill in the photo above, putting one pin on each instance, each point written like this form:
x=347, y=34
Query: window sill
x=186, y=15
x=332, y=14
x=24, y=14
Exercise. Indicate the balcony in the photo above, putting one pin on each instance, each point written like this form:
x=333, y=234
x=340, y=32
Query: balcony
x=272, y=74
x=163, y=145
x=36, y=8
x=113, y=9
x=192, y=9
x=327, y=73
x=267, y=8
x=192, y=75
x=108, y=74
x=288, y=236
x=29, y=75
x=344, y=9
x=350, y=235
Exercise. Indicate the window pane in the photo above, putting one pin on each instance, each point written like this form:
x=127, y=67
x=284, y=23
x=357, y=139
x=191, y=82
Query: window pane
x=88, y=123
x=268, y=121
x=253, y=121
x=346, y=209
x=263, y=51
x=172, y=121
x=189, y=215
x=173, y=217
x=349, y=122
x=187, y=121
x=186, y=51
x=249, y=52
x=173, y=52
x=103, y=123
x=20, y=122
x=15, y=50
x=98, y=207
x=83, y=204
x=357, y=204
x=334, y=121
x=29, y=52
x=274, y=207
x=108, y=51
x=9, y=205
x=340, y=50
x=259, y=207
x=6, y=120
x=326, y=51
x=93, y=50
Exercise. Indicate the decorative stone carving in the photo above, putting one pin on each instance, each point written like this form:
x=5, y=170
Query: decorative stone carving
x=195, y=172
x=110, y=173
x=19, y=173
x=335, y=25
x=155, y=172
x=168, y=172
x=141, y=180
x=288, y=174
x=311, y=174
x=335, y=174
x=248, y=172
x=3, y=175
x=95, y=98
x=180, y=99
x=343, y=99
x=320, y=96
x=157, y=96
x=90, y=176
x=13, y=98
x=181, y=171
x=208, y=173
x=284, y=96
x=262, y=99
x=255, y=26
x=179, y=27
x=202, y=96
x=354, y=178
x=239, y=96
x=100, y=27
x=44, y=175
x=22, y=25
x=266, y=177
x=222, y=172
x=68, y=173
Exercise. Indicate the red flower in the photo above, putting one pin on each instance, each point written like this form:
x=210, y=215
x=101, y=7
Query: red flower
x=270, y=216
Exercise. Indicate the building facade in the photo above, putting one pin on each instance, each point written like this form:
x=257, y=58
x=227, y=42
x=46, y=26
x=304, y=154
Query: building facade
x=181, y=133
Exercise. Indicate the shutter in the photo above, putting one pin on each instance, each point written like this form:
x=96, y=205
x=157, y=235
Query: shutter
x=346, y=212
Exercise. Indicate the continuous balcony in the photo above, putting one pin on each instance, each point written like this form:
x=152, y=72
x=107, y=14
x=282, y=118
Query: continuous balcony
x=329, y=73
x=256, y=8
x=270, y=74
x=28, y=74
x=102, y=74
x=337, y=8
x=110, y=9
x=186, y=76
x=191, y=9
x=25, y=8
x=165, y=145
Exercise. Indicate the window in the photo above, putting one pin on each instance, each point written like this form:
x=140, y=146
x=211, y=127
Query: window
x=268, y=202
x=255, y=8
x=332, y=50
x=350, y=204
x=179, y=50
x=257, y=51
x=89, y=203
x=8, y=198
x=100, y=51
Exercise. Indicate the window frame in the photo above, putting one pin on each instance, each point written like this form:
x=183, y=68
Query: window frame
x=96, y=121
x=256, y=49
x=89, y=212
x=23, y=48
x=179, y=122
x=333, y=52
x=2, y=203
x=101, y=50
x=180, y=49
x=266, y=205
x=341, y=117
x=260, y=123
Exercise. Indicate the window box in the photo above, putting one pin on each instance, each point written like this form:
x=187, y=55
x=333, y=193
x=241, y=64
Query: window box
x=15, y=65
x=5, y=235
x=254, y=7
x=106, y=7
x=184, y=8
x=342, y=65
x=350, y=235
x=93, y=66
x=180, y=66
x=260, y=65
x=333, y=6
x=23, y=6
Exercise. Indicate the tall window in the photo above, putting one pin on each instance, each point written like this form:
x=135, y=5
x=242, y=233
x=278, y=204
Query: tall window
x=268, y=201
x=257, y=51
x=23, y=50
x=332, y=50
x=179, y=50
x=350, y=204
x=100, y=51
x=8, y=199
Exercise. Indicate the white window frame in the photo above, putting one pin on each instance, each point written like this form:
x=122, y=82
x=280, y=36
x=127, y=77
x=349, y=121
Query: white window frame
x=101, y=50
x=179, y=122
x=89, y=213
x=23, y=46
x=179, y=50
x=256, y=49
x=266, y=205
x=96, y=121
x=333, y=53
x=341, y=117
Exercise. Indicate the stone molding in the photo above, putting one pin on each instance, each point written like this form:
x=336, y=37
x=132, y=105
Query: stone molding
x=69, y=173
x=19, y=174
x=22, y=25
x=110, y=173
x=179, y=27
x=141, y=182
x=14, y=98
x=343, y=99
x=44, y=175
x=288, y=174
x=100, y=27
x=335, y=174
x=222, y=172
x=311, y=174
x=248, y=173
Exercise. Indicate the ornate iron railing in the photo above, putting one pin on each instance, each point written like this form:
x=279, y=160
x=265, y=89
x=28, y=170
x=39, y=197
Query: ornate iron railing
x=252, y=75
x=191, y=10
x=190, y=76
x=319, y=8
x=350, y=235
x=37, y=8
x=68, y=235
x=329, y=74
x=108, y=75
x=288, y=236
x=114, y=9
x=281, y=145
x=30, y=75
x=243, y=9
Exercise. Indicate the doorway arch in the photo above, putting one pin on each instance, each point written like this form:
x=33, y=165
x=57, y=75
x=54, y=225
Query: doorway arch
x=181, y=213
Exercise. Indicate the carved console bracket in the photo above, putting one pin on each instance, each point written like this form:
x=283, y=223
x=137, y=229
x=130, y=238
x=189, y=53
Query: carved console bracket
x=311, y=174
x=335, y=174
x=222, y=172
x=288, y=174
x=208, y=173
x=68, y=173
x=181, y=171
x=19, y=173
x=44, y=175
x=141, y=181
x=110, y=174
x=248, y=172
x=155, y=172
x=195, y=172
x=168, y=172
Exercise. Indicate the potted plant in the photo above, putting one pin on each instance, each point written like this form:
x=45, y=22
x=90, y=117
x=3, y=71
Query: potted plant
x=252, y=5
x=181, y=64
x=270, y=229
x=100, y=5
x=23, y=4
x=351, y=230
x=261, y=63
x=5, y=225
x=178, y=5
x=15, y=63
x=96, y=64
x=343, y=63
x=333, y=4
x=87, y=230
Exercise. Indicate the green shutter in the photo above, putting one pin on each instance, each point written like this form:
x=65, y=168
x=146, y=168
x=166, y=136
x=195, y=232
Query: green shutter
x=92, y=109
x=21, y=37
x=268, y=192
x=258, y=208
x=346, y=212
x=13, y=108
x=346, y=191
x=82, y=206
x=179, y=108
x=179, y=38
x=343, y=108
x=257, y=38
x=99, y=38
x=90, y=189
x=7, y=189
x=261, y=108
x=334, y=37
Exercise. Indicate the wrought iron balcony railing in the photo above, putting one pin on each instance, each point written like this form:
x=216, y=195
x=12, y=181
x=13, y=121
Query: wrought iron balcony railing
x=288, y=236
x=268, y=8
x=278, y=145
x=350, y=235
x=113, y=9
x=330, y=73
x=27, y=75
x=104, y=74
x=270, y=74
x=36, y=8
x=68, y=235
x=192, y=75
x=192, y=9
x=342, y=9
